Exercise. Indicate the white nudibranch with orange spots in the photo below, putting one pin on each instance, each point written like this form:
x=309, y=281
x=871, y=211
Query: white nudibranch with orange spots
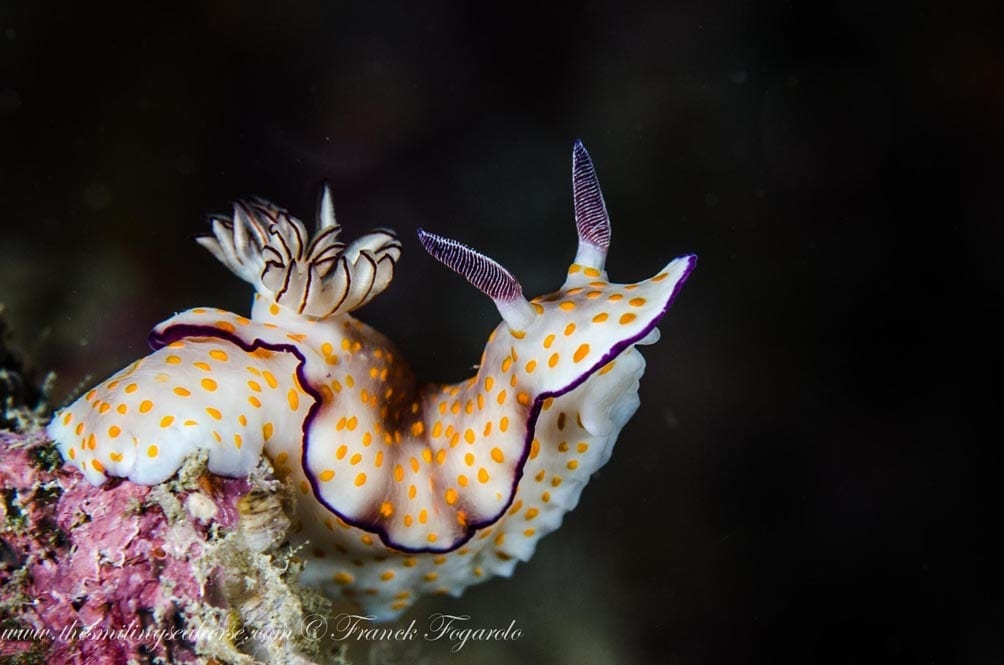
x=405, y=488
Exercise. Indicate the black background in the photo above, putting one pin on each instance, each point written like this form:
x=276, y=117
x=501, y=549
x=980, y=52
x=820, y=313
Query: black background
x=810, y=476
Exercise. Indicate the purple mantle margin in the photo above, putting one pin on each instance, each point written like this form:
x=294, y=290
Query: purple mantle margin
x=178, y=332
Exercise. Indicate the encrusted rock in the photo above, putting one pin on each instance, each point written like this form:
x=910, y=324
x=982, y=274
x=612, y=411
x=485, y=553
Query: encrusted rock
x=131, y=574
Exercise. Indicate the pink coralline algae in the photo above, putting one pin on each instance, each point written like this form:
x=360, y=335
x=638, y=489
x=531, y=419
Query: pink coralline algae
x=131, y=573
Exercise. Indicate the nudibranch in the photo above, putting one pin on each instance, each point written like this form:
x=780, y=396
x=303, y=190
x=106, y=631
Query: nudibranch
x=404, y=488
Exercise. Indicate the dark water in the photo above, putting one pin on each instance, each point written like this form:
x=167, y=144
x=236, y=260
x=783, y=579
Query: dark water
x=809, y=476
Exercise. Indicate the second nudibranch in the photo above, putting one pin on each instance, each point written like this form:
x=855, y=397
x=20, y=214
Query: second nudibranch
x=405, y=488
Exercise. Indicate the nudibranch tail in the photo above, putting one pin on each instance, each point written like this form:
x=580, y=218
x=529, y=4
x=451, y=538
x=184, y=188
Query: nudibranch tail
x=194, y=394
x=485, y=274
x=591, y=219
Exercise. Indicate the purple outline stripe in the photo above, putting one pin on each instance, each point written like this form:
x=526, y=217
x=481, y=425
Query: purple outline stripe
x=615, y=351
x=181, y=331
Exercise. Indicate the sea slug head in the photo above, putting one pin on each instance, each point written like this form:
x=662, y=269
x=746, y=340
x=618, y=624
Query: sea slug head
x=314, y=277
x=577, y=330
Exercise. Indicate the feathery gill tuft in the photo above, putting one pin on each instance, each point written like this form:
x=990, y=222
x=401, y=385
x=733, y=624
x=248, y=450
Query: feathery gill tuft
x=316, y=277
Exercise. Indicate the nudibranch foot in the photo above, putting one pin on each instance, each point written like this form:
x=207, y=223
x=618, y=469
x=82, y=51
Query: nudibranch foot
x=404, y=488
